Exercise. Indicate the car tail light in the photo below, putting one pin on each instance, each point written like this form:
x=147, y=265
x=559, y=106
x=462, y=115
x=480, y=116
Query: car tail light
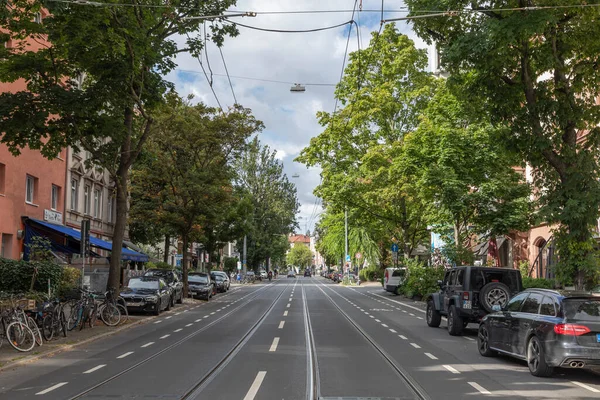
x=465, y=295
x=571, y=329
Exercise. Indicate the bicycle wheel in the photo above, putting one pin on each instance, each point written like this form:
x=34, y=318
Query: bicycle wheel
x=20, y=336
x=62, y=322
x=48, y=327
x=36, y=331
x=124, y=313
x=93, y=315
x=110, y=314
x=85, y=316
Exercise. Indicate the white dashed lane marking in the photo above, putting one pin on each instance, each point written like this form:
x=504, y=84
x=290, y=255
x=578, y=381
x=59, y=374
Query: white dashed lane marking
x=451, y=369
x=189, y=325
x=158, y=322
x=96, y=368
x=51, y=388
x=274, y=344
x=164, y=336
x=281, y=324
x=178, y=330
x=126, y=354
x=147, y=344
x=583, y=385
x=479, y=388
x=416, y=346
x=431, y=356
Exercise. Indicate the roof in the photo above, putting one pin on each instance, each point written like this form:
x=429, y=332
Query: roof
x=299, y=239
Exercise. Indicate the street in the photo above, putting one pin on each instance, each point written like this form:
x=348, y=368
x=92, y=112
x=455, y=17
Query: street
x=302, y=338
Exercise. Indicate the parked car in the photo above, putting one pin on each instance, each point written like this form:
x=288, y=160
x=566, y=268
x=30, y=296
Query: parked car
x=291, y=274
x=393, y=279
x=172, y=280
x=219, y=282
x=545, y=328
x=264, y=275
x=201, y=285
x=469, y=293
x=251, y=276
x=226, y=278
x=307, y=272
x=147, y=293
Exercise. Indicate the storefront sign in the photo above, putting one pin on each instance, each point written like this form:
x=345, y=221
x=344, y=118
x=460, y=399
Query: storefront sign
x=53, y=217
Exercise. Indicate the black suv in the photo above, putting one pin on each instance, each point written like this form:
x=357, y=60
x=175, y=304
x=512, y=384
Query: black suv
x=467, y=294
x=172, y=280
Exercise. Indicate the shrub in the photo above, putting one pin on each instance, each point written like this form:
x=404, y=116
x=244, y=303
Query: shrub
x=22, y=276
x=158, y=264
x=421, y=280
x=371, y=274
x=539, y=283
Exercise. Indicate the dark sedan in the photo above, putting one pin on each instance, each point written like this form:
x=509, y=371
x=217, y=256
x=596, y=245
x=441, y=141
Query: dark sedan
x=545, y=328
x=201, y=286
x=219, y=282
x=147, y=293
x=225, y=278
x=171, y=278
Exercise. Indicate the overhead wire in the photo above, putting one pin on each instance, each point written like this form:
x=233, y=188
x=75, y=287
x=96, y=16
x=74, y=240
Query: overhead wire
x=258, y=79
x=210, y=84
x=256, y=28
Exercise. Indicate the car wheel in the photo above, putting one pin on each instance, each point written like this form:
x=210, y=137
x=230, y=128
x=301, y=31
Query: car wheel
x=536, y=358
x=169, y=304
x=494, y=293
x=455, y=322
x=434, y=317
x=158, y=306
x=483, y=342
x=180, y=299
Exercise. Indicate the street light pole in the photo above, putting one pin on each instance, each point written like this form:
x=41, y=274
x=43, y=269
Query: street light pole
x=244, y=257
x=346, y=233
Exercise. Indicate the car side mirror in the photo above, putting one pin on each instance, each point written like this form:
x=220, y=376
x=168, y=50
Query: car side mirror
x=496, y=308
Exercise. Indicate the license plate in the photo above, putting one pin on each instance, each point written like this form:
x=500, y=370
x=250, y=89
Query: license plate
x=194, y=293
x=130, y=304
x=467, y=304
x=598, y=337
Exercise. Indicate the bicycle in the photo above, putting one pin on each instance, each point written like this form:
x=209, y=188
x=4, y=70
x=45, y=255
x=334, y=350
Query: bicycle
x=54, y=322
x=16, y=332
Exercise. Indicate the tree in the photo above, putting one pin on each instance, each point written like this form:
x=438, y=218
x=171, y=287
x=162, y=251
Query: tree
x=464, y=174
x=189, y=170
x=536, y=70
x=383, y=91
x=300, y=256
x=269, y=200
x=99, y=82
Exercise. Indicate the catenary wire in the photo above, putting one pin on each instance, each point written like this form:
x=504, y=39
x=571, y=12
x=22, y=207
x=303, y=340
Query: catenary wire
x=259, y=79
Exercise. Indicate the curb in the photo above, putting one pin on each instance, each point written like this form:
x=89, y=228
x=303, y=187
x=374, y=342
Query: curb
x=29, y=359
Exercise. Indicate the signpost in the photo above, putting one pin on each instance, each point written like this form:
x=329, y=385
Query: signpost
x=84, y=245
x=395, y=249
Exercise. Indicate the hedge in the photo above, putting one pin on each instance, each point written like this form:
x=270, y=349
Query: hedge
x=16, y=276
x=421, y=280
x=539, y=283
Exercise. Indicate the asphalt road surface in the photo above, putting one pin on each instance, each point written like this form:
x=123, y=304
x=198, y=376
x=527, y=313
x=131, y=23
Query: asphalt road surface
x=302, y=338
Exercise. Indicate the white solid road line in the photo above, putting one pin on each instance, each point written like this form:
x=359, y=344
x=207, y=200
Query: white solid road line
x=126, y=354
x=479, y=388
x=255, y=385
x=416, y=346
x=164, y=337
x=451, y=369
x=147, y=344
x=51, y=388
x=96, y=368
x=274, y=344
x=281, y=324
x=285, y=313
x=583, y=385
x=431, y=356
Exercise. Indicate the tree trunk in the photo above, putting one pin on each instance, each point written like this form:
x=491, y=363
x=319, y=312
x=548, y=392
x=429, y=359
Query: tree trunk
x=184, y=263
x=114, y=275
x=167, y=247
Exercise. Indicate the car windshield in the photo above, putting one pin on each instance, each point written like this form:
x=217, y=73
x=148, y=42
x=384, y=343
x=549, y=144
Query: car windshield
x=582, y=309
x=399, y=272
x=197, y=279
x=143, y=284
x=166, y=275
x=218, y=278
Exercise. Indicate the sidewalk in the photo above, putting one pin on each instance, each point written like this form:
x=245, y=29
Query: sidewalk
x=9, y=357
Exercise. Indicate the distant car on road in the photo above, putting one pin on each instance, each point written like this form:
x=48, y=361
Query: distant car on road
x=147, y=293
x=307, y=273
x=172, y=280
x=201, y=285
x=545, y=328
x=291, y=274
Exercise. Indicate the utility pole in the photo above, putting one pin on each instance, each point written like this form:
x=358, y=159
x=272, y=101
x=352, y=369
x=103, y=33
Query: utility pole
x=346, y=235
x=244, y=257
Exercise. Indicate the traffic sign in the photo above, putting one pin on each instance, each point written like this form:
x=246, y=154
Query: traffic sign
x=395, y=247
x=358, y=256
x=348, y=257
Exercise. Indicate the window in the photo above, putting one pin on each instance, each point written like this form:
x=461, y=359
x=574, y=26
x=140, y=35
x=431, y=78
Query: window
x=2, y=177
x=451, y=278
x=5, y=250
x=514, y=304
x=97, y=203
x=74, y=194
x=532, y=304
x=38, y=18
x=110, y=209
x=547, y=307
x=86, y=199
x=30, y=184
x=460, y=277
x=54, y=197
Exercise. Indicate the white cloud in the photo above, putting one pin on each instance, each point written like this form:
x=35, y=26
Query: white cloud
x=301, y=58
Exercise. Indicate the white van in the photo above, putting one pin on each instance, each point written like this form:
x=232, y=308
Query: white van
x=393, y=279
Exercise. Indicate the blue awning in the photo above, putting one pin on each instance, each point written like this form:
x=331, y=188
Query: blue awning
x=126, y=254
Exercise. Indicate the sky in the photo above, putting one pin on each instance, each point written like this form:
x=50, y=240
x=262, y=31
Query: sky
x=304, y=58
